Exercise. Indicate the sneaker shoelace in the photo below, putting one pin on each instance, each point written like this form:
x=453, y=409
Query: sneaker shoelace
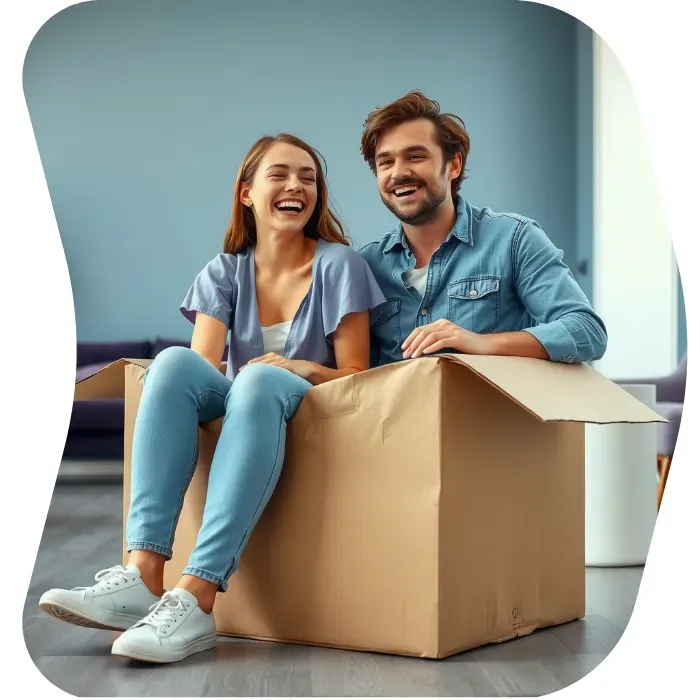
x=106, y=578
x=165, y=612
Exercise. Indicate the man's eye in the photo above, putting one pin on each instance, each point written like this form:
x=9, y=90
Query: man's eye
x=416, y=156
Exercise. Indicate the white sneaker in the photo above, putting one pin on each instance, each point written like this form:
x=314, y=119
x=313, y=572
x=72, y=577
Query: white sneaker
x=117, y=601
x=175, y=628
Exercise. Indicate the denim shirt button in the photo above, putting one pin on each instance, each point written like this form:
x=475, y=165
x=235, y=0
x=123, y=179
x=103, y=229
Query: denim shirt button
x=473, y=293
x=424, y=312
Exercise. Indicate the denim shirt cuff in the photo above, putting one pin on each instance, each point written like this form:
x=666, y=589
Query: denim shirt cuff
x=557, y=341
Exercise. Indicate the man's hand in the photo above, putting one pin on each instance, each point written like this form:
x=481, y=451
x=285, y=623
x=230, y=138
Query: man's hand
x=445, y=334
x=301, y=368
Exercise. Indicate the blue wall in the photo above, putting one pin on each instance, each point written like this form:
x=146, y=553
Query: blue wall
x=143, y=109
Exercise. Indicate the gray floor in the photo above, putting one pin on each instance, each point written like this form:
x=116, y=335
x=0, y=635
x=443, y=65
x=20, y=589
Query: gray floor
x=82, y=535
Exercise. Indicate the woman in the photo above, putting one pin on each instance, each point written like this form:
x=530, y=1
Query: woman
x=296, y=299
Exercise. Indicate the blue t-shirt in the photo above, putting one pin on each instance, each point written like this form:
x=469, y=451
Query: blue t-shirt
x=341, y=283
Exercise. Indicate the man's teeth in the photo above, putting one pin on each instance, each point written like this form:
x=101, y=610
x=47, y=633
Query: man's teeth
x=404, y=190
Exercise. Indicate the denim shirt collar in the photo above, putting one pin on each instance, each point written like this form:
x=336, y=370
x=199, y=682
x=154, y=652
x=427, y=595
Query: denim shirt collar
x=462, y=230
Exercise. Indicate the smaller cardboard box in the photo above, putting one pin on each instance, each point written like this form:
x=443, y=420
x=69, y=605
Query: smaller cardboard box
x=424, y=508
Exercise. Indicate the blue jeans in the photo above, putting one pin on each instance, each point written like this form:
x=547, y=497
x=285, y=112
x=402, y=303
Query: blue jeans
x=181, y=389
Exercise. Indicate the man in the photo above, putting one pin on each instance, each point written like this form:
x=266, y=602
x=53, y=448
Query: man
x=459, y=278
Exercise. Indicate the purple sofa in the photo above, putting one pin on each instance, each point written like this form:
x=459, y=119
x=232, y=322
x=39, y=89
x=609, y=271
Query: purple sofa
x=670, y=395
x=96, y=429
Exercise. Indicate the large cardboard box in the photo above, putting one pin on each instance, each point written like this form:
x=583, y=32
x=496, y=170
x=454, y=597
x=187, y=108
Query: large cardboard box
x=424, y=508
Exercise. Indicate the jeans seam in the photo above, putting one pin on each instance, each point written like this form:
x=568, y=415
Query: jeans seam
x=183, y=491
x=230, y=568
x=204, y=391
x=193, y=467
x=286, y=402
x=193, y=461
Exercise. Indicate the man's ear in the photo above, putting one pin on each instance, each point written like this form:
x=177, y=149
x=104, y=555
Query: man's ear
x=454, y=166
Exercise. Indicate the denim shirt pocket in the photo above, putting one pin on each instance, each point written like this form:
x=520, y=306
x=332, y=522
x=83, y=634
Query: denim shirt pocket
x=474, y=303
x=384, y=321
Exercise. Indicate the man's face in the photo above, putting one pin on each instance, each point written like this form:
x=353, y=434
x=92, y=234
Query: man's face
x=412, y=175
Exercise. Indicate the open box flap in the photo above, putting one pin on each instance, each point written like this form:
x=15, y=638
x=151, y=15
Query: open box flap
x=107, y=383
x=554, y=391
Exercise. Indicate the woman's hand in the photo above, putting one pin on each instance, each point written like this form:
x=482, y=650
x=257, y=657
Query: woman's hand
x=301, y=368
x=351, y=347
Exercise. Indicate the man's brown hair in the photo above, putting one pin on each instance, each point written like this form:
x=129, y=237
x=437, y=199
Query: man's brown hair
x=450, y=131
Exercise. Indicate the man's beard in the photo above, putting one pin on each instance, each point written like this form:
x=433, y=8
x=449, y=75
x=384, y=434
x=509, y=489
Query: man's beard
x=422, y=212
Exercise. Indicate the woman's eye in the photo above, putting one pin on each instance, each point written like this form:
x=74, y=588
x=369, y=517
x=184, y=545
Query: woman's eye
x=310, y=180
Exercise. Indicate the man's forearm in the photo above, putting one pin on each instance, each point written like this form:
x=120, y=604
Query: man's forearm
x=517, y=343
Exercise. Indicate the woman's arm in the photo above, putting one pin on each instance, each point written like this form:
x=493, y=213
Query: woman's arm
x=350, y=345
x=209, y=338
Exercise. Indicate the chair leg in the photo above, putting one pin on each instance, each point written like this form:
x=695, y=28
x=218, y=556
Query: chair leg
x=663, y=465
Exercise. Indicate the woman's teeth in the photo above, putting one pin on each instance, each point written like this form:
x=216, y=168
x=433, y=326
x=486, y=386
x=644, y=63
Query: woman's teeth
x=290, y=206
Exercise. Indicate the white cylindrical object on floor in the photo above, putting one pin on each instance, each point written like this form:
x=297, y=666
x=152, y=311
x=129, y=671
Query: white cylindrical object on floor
x=621, y=485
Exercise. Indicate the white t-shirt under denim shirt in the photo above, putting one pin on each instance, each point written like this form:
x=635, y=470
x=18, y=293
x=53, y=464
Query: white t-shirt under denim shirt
x=417, y=278
x=341, y=283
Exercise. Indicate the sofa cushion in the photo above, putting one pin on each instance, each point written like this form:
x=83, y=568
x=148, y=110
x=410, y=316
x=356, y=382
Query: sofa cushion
x=91, y=353
x=94, y=445
x=159, y=344
x=98, y=415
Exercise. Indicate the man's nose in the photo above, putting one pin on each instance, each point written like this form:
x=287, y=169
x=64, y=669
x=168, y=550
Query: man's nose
x=401, y=171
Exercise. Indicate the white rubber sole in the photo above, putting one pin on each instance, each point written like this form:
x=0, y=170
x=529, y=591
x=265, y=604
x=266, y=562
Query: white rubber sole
x=160, y=655
x=87, y=615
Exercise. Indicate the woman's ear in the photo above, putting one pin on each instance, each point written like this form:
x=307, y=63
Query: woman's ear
x=245, y=195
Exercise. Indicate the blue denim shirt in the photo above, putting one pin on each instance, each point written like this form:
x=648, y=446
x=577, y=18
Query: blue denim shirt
x=494, y=272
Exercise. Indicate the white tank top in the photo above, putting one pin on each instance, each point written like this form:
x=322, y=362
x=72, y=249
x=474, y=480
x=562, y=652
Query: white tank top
x=275, y=337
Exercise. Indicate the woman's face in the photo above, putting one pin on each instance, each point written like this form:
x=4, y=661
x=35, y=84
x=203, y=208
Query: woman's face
x=283, y=192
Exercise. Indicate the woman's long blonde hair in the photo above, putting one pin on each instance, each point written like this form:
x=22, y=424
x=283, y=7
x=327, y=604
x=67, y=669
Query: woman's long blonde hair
x=241, y=231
